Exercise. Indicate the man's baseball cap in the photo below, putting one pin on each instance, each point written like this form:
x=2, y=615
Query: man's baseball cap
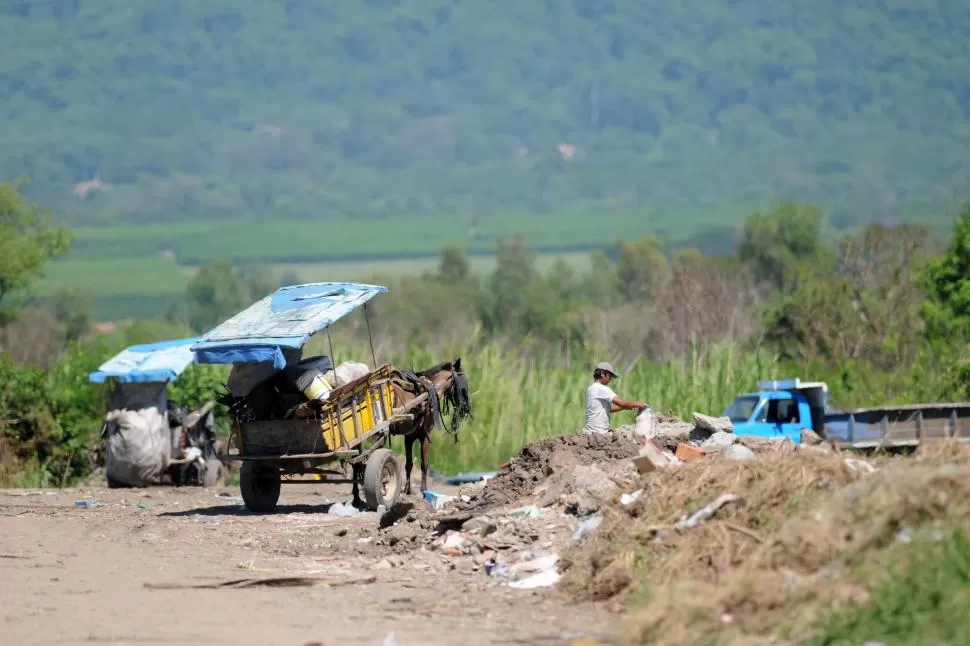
x=606, y=367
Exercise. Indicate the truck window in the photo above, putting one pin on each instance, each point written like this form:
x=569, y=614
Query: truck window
x=782, y=411
x=741, y=408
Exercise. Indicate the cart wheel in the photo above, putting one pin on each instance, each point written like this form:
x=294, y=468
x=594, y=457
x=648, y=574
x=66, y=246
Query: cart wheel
x=214, y=473
x=260, y=486
x=382, y=479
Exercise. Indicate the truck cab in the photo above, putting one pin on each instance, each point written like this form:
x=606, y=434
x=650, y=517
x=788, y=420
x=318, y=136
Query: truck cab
x=780, y=409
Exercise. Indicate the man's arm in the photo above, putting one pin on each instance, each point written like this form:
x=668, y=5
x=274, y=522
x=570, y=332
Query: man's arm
x=623, y=404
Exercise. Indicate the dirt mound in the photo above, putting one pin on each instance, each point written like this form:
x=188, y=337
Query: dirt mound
x=785, y=553
x=646, y=531
x=540, y=460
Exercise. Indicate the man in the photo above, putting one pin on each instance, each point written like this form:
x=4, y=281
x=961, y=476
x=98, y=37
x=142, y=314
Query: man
x=601, y=401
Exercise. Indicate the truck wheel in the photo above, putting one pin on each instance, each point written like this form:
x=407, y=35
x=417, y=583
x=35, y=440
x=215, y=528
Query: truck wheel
x=382, y=479
x=259, y=485
x=214, y=473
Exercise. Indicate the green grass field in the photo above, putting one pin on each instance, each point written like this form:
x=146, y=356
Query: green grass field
x=317, y=240
x=134, y=271
x=135, y=288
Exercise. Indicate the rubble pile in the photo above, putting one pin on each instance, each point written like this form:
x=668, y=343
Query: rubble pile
x=699, y=520
x=551, y=457
x=553, y=507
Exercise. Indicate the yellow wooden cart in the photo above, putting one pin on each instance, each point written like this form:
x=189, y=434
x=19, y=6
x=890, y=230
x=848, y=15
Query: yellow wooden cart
x=350, y=427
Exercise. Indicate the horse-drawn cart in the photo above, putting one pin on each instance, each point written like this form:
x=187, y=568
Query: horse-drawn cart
x=295, y=417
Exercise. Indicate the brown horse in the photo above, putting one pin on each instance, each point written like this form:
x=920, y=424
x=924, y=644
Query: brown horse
x=447, y=389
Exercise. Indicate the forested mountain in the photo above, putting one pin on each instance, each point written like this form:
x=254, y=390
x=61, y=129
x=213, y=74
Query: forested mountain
x=161, y=110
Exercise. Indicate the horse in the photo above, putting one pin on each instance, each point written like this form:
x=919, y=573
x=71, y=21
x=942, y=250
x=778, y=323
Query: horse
x=447, y=388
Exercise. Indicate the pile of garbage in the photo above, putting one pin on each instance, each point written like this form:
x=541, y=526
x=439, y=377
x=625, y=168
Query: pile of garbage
x=512, y=527
x=532, y=521
x=668, y=441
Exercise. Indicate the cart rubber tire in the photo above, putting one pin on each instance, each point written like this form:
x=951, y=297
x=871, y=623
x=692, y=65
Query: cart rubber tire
x=382, y=479
x=214, y=473
x=259, y=485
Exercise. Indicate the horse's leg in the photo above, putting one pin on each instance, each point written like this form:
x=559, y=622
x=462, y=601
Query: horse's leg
x=408, y=463
x=358, y=475
x=425, y=445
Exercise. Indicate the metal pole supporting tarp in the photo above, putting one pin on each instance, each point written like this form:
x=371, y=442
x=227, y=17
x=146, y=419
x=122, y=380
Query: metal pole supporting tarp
x=370, y=338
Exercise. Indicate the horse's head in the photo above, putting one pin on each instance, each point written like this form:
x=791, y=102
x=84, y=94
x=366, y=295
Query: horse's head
x=456, y=393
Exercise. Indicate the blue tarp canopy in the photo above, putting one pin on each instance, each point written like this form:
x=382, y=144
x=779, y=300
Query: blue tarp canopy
x=162, y=361
x=287, y=318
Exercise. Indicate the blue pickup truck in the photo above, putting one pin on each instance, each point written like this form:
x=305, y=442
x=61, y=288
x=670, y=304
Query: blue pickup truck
x=781, y=409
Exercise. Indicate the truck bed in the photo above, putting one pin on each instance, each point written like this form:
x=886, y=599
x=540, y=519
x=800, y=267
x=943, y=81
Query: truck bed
x=899, y=426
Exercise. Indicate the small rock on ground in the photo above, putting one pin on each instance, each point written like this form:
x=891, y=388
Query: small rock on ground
x=737, y=452
x=718, y=441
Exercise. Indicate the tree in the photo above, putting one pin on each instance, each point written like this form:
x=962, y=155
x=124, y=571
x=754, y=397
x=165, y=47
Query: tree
x=29, y=238
x=641, y=267
x=453, y=264
x=215, y=293
x=509, y=285
x=72, y=309
x=865, y=311
x=946, y=280
x=775, y=243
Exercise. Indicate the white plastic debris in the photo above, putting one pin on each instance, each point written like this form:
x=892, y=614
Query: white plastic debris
x=343, y=510
x=536, y=573
x=437, y=500
x=707, y=512
x=531, y=572
x=192, y=454
x=390, y=640
x=630, y=498
x=587, y=527
x=539, y=564
x=540, y=580
x=645, y=424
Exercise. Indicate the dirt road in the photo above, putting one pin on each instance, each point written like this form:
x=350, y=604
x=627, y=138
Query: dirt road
x=72, y=575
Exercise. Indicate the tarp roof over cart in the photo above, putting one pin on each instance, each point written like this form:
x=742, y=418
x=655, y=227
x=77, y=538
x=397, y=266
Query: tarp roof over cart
x=162, y=361
x=285, y=319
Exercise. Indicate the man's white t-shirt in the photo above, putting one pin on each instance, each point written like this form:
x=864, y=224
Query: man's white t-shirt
x=599, y=398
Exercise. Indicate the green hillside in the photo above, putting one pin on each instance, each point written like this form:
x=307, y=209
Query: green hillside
x=464, y=110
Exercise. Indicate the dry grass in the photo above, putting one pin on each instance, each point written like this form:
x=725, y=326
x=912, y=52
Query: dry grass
x=773, y=563
x=641, y=540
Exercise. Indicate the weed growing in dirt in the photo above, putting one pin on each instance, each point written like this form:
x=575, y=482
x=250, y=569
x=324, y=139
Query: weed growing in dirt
x=923, y=601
